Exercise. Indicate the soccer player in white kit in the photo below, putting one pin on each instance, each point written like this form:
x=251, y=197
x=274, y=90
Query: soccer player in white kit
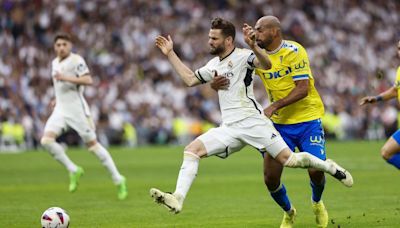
x=70, y=74
x=243, y=121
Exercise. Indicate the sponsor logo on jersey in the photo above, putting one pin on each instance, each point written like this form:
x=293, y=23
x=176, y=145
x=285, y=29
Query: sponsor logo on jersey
x=316, y=139
x=228, y=74
x=81, y=68
x=300, y=65
x=277, y=74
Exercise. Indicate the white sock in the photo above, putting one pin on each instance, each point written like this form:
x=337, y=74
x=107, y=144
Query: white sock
x=107, y=162
x=58, y=153
x=306, y=160
x=187, y=174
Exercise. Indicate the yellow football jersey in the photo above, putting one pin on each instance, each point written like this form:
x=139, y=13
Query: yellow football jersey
x=397, y=83
x=290, y=63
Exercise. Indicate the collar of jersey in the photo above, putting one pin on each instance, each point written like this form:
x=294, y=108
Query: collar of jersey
x=59, y=61
x=277, y=49
x=227, y=54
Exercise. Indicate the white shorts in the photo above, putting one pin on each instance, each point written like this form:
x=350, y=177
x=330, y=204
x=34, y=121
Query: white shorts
x=81, y=123
x=256, y=132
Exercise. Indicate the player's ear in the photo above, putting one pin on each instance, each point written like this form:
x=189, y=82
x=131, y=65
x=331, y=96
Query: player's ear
x=276, y=31
x=229, y=39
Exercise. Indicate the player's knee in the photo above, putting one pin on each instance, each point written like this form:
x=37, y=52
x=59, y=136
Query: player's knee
x=316, y=176
x=191, y=156
x=192, y=152
x=196, y=148
x=297, y=160
x=44, y=141
x=385, y=153
x=271, y=181
x=91, y=143
x=284, y=156
x=92, y=147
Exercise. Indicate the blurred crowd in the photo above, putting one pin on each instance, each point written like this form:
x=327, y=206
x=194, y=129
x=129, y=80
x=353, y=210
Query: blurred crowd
x=138, y=99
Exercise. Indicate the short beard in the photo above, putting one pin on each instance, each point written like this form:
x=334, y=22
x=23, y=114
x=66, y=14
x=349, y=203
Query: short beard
x=218, y=50
x=264, y=44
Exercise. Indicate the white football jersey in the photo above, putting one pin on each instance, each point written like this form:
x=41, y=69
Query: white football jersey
x=238, y=101
x=69, y=96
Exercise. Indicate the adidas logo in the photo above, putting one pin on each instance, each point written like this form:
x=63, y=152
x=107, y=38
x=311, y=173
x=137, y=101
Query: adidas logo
x=273, y=136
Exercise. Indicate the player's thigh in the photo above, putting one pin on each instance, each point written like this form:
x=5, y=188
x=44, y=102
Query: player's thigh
x=286, y=133
x=261, y=134
x=313, y=140
x=196, y=147
x=218, y=141
x=54, y=125
x=84, y=126
x=392, y=146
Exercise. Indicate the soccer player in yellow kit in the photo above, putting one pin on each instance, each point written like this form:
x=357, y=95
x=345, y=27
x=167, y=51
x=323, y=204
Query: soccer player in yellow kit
x=391, y=150
x=295, y=110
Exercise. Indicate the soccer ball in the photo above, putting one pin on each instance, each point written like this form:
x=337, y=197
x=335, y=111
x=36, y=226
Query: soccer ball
x=55, y=217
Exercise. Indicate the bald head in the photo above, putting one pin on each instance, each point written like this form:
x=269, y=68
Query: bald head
x=268, y=32
x=269, y=22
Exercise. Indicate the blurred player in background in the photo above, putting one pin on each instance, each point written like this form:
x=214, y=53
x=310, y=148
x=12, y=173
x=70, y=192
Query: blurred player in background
x=70, y=74
x=295, y=110
x=391, y=150
x=243, y=120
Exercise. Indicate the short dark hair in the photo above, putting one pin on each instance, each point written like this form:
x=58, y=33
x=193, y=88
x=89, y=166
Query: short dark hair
x=228, y=29
x=63, y=36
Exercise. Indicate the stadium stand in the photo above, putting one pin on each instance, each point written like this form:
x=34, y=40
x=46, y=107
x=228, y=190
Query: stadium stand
x=138, y=99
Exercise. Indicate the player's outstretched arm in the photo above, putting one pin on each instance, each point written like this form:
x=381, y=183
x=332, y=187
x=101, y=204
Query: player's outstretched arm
x=82, y=80
x=186, y=74
x=262, y=61
x=386, y=95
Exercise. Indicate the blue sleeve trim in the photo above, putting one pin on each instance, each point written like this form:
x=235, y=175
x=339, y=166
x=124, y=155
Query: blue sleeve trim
x=300, y=77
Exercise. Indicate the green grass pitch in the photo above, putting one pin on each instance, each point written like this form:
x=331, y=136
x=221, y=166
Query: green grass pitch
x=226, y=193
